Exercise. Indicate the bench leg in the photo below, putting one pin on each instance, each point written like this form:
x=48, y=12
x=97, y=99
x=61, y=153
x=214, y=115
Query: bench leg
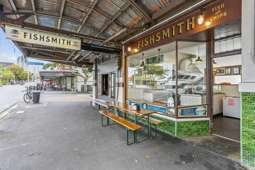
x=135, y=138
x=102, y=120
x=107, y=121
x=127, y=137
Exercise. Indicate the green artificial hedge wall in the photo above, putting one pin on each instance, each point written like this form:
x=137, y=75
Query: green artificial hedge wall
x=193, y=128
x=181, y=129
x=167, y=127
x=248, y=129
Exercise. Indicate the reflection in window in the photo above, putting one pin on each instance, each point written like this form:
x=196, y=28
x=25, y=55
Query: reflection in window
x=153, y=79
x=191, y=79
x=151, y=76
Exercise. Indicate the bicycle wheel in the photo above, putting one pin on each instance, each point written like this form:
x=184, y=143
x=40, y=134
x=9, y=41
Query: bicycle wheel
x=26, y=98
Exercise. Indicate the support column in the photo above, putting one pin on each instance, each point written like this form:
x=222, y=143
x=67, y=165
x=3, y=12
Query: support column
x=247, y=87
x=122, y=78
x=209, y=75
x=95, y=84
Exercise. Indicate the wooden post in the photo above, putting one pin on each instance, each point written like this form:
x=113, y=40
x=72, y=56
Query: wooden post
x=209, y=75
x=124, y=75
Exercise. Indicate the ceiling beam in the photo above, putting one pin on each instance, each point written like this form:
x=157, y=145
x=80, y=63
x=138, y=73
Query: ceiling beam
x=62, y=7
x=48, y=29
x=116, y=16
x=109, y=39
x=78, y=54
x=13, y=5
x=14, y=8
x=71, y=55
x=34, y=11
x=85, y=56
x=172, y=8
x=43, y=13
x=116, y=34
x=87, y=16
x=109, y=17
x=140, y=9
x=44, y=49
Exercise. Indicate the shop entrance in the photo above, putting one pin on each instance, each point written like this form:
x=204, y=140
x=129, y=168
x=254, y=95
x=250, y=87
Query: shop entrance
x=227, y=75
x=105, y=84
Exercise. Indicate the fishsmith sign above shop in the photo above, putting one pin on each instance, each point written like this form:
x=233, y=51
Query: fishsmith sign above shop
x=209, y=16
x=42, y=38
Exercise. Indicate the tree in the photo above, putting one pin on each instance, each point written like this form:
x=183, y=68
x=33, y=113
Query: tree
x=87, y=71
x=50, y=66
x=7, y=76
x=18, y=72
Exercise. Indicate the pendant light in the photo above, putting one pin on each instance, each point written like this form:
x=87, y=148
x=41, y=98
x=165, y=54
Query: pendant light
x=198, y=59
x=143, y=62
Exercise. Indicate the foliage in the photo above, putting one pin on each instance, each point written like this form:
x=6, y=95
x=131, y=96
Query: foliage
x=50, y=66
x=154, y=69
x=18, y=72
x=247, y=129
x=87, y=71
x=12, y=73
x=6, y=76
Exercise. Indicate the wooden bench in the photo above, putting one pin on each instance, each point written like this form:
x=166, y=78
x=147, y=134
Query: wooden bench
x=101, y=103
x=130, y=126
x=156, y=123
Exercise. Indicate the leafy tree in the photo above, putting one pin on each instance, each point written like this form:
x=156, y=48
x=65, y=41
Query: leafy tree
x=7, y=76
x=87, y=71
x=18, y=72
x=50, y=66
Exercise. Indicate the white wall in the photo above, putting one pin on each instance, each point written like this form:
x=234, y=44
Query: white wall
x=248, y=38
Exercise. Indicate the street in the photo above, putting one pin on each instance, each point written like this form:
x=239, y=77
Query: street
x=9, y=95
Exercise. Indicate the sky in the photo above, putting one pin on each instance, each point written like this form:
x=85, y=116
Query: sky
x=8, y=51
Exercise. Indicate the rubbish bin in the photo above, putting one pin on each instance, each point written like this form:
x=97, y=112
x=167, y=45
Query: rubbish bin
x=36, y=97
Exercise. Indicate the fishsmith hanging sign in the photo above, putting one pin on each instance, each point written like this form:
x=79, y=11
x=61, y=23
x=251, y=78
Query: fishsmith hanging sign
x=42, y=38
x=212, y=15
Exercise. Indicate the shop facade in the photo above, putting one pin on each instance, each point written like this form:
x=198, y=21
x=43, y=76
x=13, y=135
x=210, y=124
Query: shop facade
x=169, y=68
x=188, y=69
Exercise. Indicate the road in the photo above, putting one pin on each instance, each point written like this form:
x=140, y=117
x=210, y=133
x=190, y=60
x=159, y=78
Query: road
x=9, y=95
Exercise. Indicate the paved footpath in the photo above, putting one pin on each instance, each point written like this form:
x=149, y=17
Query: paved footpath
x=9, y=95
x=64, y=133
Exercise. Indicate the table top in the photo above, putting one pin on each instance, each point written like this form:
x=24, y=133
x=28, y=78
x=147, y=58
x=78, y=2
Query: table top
x=127, y=108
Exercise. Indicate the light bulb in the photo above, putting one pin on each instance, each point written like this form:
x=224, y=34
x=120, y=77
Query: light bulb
x=200, y=19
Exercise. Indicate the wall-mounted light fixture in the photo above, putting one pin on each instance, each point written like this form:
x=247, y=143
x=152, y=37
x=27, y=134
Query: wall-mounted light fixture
x=129, y=49
x=143, y=62
x=201, y=19
x=208, y=23
x=136, y=50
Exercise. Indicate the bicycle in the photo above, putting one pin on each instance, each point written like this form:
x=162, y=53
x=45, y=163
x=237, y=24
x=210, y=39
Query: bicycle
x=28, y=97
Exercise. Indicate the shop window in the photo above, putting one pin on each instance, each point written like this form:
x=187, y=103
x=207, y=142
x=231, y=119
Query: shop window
x=154, y=81
x=152, y=77
x=191, y=79
x=228, y=38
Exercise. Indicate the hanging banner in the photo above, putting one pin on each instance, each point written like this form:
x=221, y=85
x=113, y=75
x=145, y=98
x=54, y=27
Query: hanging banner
x=42, y=38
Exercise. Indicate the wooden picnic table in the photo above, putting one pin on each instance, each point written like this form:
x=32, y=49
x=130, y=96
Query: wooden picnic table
x=125, y=108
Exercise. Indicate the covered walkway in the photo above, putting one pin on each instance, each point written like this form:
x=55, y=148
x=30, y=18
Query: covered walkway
x=64, y=132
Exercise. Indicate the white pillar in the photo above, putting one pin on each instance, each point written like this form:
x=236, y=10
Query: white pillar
x=94, y=85
x=248, y=37
x=247, y=87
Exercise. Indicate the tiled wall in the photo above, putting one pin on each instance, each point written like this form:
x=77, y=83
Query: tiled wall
x=248, y=129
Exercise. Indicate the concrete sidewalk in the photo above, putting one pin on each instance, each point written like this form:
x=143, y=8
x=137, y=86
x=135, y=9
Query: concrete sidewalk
x=64, y=132
x=10, y=95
